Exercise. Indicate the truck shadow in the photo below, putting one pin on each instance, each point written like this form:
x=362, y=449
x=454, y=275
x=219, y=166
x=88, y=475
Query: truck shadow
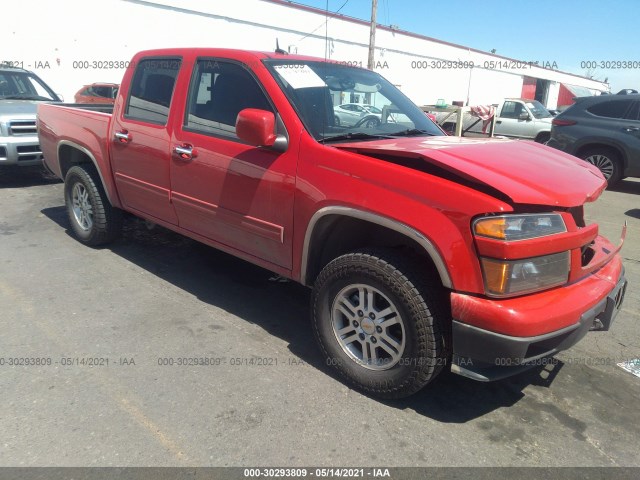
x=627, y=186
x=282, y=309
x=25, y=177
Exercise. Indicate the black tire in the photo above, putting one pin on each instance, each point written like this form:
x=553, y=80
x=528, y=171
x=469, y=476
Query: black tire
x=420, y=312
x=101, y=224
x=369, y=122
x=543, y=138
x=336, y=121
x=607, y=160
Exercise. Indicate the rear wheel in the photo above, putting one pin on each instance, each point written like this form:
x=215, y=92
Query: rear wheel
x=371, y=122
x=93, y=220
x=608, y=162
x=378, y=323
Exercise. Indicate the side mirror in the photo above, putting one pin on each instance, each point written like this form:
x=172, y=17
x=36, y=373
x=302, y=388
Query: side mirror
x=523, y=116
x=256, y=127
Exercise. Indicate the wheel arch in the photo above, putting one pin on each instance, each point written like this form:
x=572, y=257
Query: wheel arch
x=335, y=230
x=603, y=144
x=71, y=154
x=543, y=134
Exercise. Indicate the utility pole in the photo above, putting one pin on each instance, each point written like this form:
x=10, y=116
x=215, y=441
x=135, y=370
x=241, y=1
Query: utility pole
x=372, y=34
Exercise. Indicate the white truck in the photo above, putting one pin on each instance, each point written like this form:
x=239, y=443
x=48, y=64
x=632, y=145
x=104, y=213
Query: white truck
x=515, y=117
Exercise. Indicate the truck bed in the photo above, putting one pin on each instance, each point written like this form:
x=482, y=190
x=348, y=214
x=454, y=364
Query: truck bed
x=84, y=126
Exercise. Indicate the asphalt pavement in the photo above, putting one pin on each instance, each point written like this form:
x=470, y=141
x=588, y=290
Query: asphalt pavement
x=159, y=351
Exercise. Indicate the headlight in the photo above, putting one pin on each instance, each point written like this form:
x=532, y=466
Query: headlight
x=519, y=227
x=504, y=278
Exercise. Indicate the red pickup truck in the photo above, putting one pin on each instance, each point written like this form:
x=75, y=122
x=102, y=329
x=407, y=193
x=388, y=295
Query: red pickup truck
x=423, y=251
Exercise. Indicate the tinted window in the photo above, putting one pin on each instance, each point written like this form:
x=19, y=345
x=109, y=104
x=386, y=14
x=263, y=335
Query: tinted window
x=152, y=89
x=634, y=112
x=511, y=110
x=611, y=109
x=219, y=90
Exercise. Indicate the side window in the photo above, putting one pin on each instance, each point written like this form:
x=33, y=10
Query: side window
x=511, y=110
x=611, y=109
x=219, y=90
x=152, y=89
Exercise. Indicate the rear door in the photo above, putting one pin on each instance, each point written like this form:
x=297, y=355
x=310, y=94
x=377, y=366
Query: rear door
x=631, y=127
x=227, y=191
x=618, y=120
x=141, y=151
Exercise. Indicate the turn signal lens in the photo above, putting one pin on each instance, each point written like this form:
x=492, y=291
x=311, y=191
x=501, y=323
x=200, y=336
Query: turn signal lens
x=519, y=227
x=511, y=277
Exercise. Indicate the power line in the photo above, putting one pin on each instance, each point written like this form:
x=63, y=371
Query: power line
x=326, y=21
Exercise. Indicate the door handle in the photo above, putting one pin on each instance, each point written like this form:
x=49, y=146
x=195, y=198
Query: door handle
x=122, y=137
x=185, y=152
x=631, y=129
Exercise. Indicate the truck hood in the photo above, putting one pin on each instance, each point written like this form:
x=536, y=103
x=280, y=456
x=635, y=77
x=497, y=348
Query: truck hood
x=525, y=171
x=18, y=107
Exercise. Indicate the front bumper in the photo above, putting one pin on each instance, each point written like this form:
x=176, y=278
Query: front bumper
x=20, y=151
x=487, y=355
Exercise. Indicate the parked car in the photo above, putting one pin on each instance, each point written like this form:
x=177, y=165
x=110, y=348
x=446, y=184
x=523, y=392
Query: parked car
x=424, y=251
x=97, y=93
x=20, y=93
x=515, y=118
x=603, y=130
x=351, y=114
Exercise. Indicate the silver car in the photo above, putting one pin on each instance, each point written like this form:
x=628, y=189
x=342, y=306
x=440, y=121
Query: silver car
x=20, y=93
x=357, y=115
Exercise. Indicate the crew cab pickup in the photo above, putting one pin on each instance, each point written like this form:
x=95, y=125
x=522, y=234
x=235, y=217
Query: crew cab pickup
x=423, y=251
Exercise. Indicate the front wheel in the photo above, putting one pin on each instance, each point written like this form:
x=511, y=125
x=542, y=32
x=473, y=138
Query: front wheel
x=378, y=323
x=93, y=220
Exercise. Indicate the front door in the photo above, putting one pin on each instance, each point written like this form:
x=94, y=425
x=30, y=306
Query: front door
x=232, y=193
x=509, y=122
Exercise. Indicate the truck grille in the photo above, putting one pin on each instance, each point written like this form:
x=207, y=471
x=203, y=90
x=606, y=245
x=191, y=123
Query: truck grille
x=29, y=152
x=23, y=127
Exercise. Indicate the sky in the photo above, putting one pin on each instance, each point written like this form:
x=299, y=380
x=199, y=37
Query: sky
x=567, y=32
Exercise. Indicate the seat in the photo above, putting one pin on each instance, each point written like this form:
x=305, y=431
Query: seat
x=158, y=89
x=230, y=94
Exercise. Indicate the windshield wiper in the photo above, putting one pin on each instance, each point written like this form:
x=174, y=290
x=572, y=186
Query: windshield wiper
x=353, y=136
x=412, y=131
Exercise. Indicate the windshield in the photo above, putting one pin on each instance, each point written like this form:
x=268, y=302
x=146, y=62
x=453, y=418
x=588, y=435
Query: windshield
x=341, y=103
x=24, y=86
x=538, y=110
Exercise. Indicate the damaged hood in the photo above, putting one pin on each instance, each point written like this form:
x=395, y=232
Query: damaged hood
x=525, y=171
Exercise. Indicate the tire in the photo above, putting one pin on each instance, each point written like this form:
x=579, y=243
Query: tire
x=93, y=220
x=336, y=121
x=371, y=122
x=409, y=351
x=607, y=161
x=543, y=138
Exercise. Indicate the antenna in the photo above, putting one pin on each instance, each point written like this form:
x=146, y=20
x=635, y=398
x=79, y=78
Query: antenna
x=279, y=50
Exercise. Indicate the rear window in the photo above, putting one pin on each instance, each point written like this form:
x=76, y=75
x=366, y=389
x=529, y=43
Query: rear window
x=152, y=89
x=611, y=109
